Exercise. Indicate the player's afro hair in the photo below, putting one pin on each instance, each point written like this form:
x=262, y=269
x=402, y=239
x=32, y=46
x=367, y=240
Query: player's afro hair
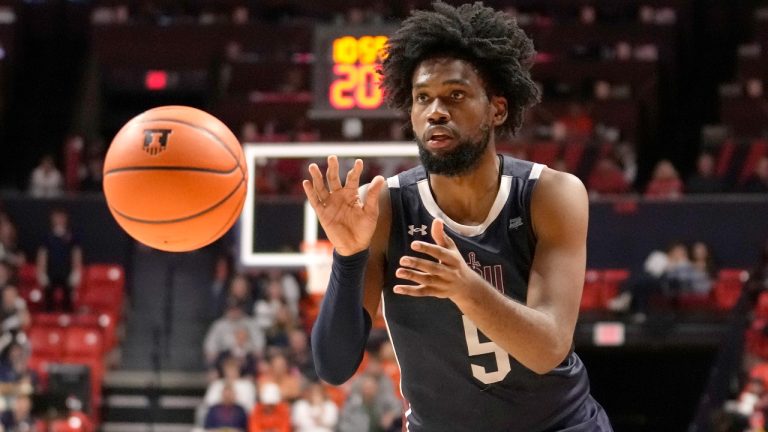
x=490, y=40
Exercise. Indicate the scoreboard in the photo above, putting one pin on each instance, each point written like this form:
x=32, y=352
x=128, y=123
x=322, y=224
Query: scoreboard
x=345, y=82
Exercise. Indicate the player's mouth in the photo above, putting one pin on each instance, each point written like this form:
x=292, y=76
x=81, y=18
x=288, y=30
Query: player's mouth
x=439, y=137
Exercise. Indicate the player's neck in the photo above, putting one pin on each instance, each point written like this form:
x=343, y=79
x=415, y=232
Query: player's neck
x=468, y=198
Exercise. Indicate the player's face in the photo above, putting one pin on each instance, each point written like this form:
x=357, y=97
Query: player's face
x=452, y=115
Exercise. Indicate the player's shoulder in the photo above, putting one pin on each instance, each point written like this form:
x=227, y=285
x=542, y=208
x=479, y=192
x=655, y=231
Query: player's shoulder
x=407, y=178
x=560, y=184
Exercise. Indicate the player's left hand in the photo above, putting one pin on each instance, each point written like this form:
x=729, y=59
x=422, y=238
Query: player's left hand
x=449, y=277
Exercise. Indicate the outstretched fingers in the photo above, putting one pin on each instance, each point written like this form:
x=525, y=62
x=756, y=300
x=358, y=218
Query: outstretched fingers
x=332, y=174
x=318, y=184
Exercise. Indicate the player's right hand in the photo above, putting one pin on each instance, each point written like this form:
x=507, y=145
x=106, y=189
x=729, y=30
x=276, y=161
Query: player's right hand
x=348, y=220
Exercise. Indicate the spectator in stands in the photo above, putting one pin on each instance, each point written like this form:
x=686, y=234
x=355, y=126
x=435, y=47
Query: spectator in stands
x=284, y=322
x=627, y=158
x=270, y=414
x=670, y=274
x=758, y=277
x=299, y=354
x=226, y=415
x=243, y=388
x=93, y=178
x=249, y=132
x=370, y=408
x=314, y=412
x=222, y=276
x=265, y=310
x=240, y=291
x=243, y=353
x=19, y=416
x=221, y=335
x=46, y=180
x=703, y=260
x=577, y=122
x=288, y=287
x=14, y=317
x=15, y=373
x=665, y=182
x=9, y=250
x=59, y=261
x=6, y=274
x=607, y=178
x=681, y=276
x=705, y=180
x=281, y=373
x=758, y=180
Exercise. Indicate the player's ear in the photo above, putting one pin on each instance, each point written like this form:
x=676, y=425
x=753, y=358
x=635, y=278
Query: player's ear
x=499, y=109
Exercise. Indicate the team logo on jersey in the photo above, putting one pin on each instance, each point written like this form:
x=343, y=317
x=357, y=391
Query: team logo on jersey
x=412, y=230
x=515, y=223
x=491, y=273
x=155, y=140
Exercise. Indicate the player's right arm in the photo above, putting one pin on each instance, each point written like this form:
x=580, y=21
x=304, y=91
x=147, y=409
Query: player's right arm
x=353, y=223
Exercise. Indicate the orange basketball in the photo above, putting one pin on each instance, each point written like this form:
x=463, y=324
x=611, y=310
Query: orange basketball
x=175, y=178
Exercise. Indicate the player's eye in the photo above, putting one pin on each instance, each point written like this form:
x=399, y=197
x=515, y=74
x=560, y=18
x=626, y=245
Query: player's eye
x=457, y=95
x=421, y=98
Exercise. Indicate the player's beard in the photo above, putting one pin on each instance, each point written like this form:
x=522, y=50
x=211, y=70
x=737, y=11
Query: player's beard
x=460, y=160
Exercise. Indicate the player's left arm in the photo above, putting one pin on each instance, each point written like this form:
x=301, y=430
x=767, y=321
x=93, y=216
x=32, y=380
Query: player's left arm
x=538, y=334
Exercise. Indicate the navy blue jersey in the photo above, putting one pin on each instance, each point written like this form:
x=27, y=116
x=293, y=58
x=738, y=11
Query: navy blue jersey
x=453, y=377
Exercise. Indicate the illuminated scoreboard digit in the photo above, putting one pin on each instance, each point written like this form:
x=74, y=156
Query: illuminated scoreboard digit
x=345, y=81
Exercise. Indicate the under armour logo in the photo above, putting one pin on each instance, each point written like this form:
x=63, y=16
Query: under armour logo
x=154, y=146
x=515, y=223
x=413, y=230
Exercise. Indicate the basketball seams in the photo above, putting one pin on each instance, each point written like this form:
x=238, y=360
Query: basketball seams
x=199, y=128
x=171, y=168
x=229, y=223
x=182, y=219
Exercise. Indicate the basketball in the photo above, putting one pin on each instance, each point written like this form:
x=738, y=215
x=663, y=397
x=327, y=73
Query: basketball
x=175, y=178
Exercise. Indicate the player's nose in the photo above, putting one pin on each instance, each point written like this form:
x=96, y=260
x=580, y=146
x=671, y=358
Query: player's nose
x=437, y=112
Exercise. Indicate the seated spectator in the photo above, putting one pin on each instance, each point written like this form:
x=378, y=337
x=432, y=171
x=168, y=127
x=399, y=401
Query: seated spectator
x=244, y=389
x=281, y=373
x=681, y=276
x=19, y=416
x=6, y=274
x=240, y=290
x=14, y=315
x=704, y=261
x=226, y=415
x=370, y=407
x=757, y=182
x=704, y=181
x=607, y=178
x=270, y=414
x=577, y=123
x=93, y=178
x=287, y=288
x=9, y=248
x=665, y=182
x=243, y=353
x=300, y=355
x=221, y=335
x=222, y=276
x=314, y=412
x=15, y=375
x=59, y=261
x=284, y=323
x=46, y=180
x=670, y=274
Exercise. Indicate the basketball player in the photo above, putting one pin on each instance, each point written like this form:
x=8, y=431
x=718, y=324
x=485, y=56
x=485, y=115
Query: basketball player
x=478, y=258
